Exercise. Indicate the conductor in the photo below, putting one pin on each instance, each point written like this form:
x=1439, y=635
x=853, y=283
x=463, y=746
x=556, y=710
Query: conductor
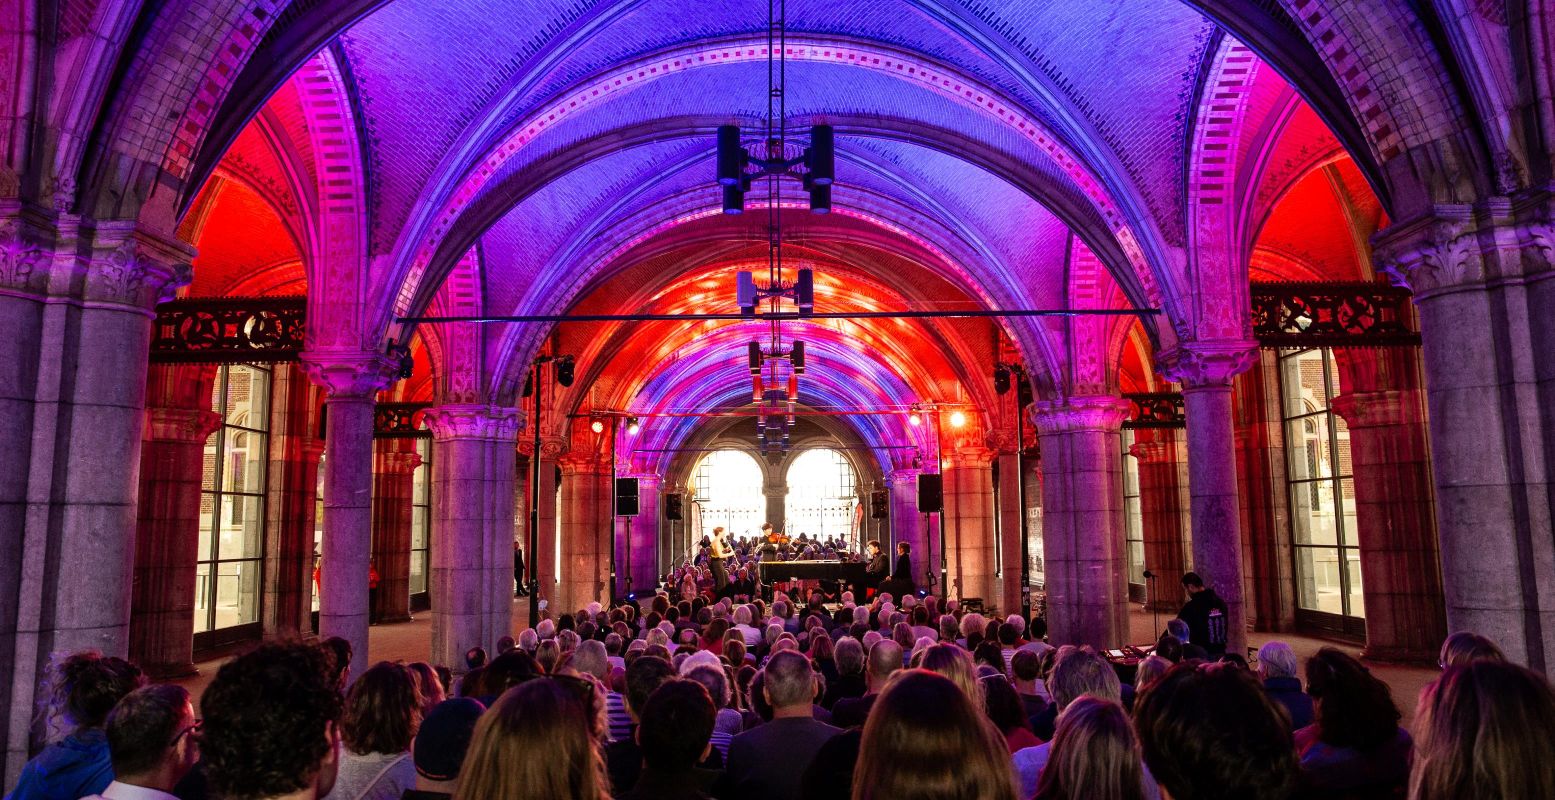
x=717, y=557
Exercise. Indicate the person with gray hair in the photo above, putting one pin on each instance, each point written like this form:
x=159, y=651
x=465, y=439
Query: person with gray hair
x=1278, y=669
x=754, y=770
x=1178, y=629
x=849, y=658
x=1078, y=672
x=885, y=658
x=591, y=659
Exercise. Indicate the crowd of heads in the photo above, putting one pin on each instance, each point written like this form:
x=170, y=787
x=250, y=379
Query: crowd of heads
x=946, y=704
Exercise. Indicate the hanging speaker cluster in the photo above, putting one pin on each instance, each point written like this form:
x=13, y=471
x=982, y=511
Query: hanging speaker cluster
x=815, y=166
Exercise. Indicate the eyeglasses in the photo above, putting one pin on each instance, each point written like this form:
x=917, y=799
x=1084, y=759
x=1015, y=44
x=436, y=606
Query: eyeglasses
x=192, y=730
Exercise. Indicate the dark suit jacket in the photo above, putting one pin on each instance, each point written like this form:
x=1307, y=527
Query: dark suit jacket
x=851, y=712
x=768, y=762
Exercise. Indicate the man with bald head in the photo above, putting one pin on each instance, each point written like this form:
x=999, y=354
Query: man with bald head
x=768, y=761
x=884, y=658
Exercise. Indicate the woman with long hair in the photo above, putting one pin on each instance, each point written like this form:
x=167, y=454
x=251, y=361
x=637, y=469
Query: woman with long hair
x=926, y=740
x=382, y=714
x=1354, y=744
x=79, y=690
x=1094, y=755
x=535, y=744
x=955, y=664
x=1484, y=731
x=1007, y=713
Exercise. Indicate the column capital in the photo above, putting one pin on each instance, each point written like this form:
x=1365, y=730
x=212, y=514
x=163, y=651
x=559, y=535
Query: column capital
x=1072, y=414
x=188, y=425
x=1377, y=409
x=474, y=421
x=971, y=456
x=349, y=375
x=1456, y=246
x=551, y=447
x=23, y=263
x=134, y=269
x=903, y=477
x=584, y=463
x=1155, y=452
x=396, y=462
x=1207, y=364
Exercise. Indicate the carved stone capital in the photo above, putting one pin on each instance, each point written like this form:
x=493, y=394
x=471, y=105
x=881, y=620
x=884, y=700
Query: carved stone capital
x=904, y=477
x=1453, y=247
x=970, y=457
x=187, y=425
x=551, y=447
x=23, y=264
x=473, y=421
x=135, y=270
x=1001, y=440
x=584, y=463
x=1074, y=414
x=350, y=375
x=396, y=462
x=1154, y=452
x=1207, y=364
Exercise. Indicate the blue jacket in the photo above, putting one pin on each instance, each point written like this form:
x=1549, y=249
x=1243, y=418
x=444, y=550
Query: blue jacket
x=73, y=767
x=1287, y=692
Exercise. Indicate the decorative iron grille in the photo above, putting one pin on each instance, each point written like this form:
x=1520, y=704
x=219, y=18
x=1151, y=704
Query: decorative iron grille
x=229, y=330
x=400, y=421
x=1155, y=410
x=1322, y=314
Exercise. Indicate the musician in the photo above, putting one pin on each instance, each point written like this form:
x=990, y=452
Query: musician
x=878, y=569
x=718, y=555
x=901, y=583
x=769, y=540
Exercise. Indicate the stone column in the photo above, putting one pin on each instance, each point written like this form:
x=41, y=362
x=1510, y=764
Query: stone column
x=907, y=524
x=1265, y=507
x=1484, y=283
x=1082, y=519
x=586, y=532
x=1010, y=515
x=544, y=566
x=394, y=467
x=640, y=561
x=472, y=534
x=295, y=451
x=76, y=305
x=1400, y=570
x=1164, y=514
x=1205, y=370
x=969, y=522
x=351, y=382
x=776, y=490
x=167, y=532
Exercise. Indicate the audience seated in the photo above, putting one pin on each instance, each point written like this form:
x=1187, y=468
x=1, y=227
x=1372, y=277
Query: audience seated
x=440, y=746
x=1210, y=731
x=675, y=734
x=1354, y=747
x=769, y=761
x=79, y=691
x=884, y=659
x=271, y=720
x=1094, y=756
x=382, y=714
x=953, y=726
x=1483, y=729
x=153, y=739
x=1277, y=669
x=1079, y=672
x=926, y=740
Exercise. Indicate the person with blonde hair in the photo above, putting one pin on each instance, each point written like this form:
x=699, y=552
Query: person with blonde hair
x=1149, y=671
x=535, y=743
x=955, y=664
x=1464, y=647
x=1484, y=730
x=927, y=740
x=1094, y=756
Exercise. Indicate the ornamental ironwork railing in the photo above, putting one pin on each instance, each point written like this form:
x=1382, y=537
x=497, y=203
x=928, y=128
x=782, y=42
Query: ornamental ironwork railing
x=1324, y=314
x=400, y=421
x=229, y=330
x=1155, y=410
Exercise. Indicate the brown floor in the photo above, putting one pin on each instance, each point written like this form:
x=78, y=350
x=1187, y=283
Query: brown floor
x=407, y=641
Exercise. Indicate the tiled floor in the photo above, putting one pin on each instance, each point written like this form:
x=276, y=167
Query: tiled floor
x=408, y=641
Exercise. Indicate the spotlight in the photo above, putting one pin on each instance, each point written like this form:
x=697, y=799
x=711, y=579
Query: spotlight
x=564, y=370
x=1001, y=379
x=631, y=596
x=915, y=419
x=597, y=426
x=632, y=426
x=957, y=419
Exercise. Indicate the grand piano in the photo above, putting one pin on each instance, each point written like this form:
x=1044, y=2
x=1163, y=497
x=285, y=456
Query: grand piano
x=847, y=574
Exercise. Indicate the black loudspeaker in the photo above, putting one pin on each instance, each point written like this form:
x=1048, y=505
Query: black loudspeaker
x=931, y=493
x=626, y=497
x=878, y=504
x=674, y=505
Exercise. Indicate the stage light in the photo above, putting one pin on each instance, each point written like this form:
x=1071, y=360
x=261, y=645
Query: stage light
x=915, y=419
x=957, y=419
x=597, y=426
x=1001, y=379
x=564, y=370
x=632, y=427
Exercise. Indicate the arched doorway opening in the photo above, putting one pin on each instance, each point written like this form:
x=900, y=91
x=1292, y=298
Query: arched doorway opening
x=822, y=495
x=728, y=487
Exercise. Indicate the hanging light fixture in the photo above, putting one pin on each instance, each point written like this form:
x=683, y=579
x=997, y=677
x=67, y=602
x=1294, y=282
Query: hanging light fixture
x=957, y=419
x=632, y=426
x=597, y=426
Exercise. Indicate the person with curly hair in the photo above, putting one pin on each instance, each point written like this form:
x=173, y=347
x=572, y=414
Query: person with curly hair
x=80, y=690
x=382, y=713
x=1354, y=744
x=271, y=724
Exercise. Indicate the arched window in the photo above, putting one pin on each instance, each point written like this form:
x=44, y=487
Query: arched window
x=821, y=494
x=729, y=491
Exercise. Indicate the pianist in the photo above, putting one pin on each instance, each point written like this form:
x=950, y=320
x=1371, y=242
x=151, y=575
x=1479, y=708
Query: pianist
x=879, y=567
